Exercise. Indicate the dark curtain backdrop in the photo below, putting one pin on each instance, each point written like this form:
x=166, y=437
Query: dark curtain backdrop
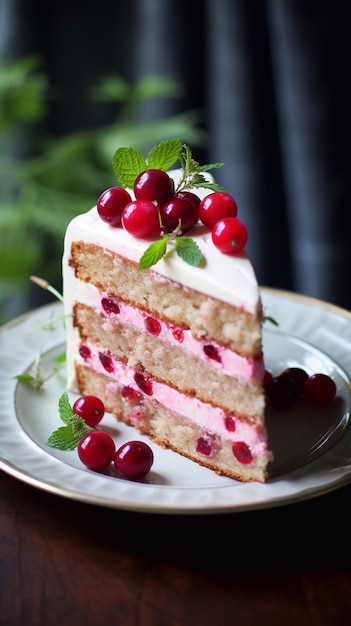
x=272, y=80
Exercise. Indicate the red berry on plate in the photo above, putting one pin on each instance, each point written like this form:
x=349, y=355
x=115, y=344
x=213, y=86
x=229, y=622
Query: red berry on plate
x=282, y=391
x=96, y=450
x=267, y=378
x=133, y=459
x=230, y=235
x=320, y=389
x=299, y=375
x=90, y=409
x=141, y=219
x=111, y=204
x=179, y=212
x=154, y=185
x=215, y=207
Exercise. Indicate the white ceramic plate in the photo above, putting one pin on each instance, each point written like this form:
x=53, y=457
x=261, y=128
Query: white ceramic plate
x=312, y=448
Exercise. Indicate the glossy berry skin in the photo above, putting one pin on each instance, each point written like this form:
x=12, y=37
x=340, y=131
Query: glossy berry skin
x=111, y=204
x=320, y=389
x=90, y=409
x=298, y=375
x=179, y=212
x=141, y=219
x=282, y=391
x=154, y=185
x=96, y=450
x=189, y=195
x=215, y=207
x=230, y=235
x=133, y=459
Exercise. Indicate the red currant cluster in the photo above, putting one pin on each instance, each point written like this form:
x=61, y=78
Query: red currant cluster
x=97, y=450
x=294, y=383
x=159, y=209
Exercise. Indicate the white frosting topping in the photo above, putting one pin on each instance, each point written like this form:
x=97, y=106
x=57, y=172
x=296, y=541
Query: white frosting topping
x=230, y=278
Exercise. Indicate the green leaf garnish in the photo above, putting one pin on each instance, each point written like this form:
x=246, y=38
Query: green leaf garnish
x=65, y=408
x=192, y=172
x=188, y=250
x=26, y=378
x=165, y=154
x=153, y=253
x=35, y=376
x=67, y=437
x=128, y=163
x=268, y=318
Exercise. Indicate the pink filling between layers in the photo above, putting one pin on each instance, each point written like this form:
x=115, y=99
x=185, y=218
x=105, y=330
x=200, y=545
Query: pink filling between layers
x=210, y=418
x=222, y=358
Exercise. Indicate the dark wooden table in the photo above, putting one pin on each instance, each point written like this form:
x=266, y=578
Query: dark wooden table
x=67, y=563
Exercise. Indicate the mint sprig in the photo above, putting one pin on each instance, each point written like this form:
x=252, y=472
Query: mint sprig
x=35, y=376
x=193, y=172
x=128, y=163
x=67, y=437
x=186, y=248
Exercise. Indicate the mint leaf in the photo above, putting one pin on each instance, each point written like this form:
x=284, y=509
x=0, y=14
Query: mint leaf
x=65, y=409
x=153, y=253
x=68, y=437
x=199, y=180
x=192, y=175
x=210, y=166
x=25, y=378
x=165, y=154
x=268, y=318
x=188, y=250
x=127, y=164
x=60, y=359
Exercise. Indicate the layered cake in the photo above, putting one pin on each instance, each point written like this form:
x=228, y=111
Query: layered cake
x=174, y=348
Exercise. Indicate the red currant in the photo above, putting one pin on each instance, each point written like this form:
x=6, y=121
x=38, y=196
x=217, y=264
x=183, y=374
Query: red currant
x=320, y=389
x=141, y=219
x=189, y=195
x=298, y=375
x=133, y=459
x=267, y=378
x=179, y=212
x=282, y=391
x=111, y=204
x=90, y=409
x=242, y=452
x=154, y=185
x=230, y=235
x=96, y=450
x=215, y=207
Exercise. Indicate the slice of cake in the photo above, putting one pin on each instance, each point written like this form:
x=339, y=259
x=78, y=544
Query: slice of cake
x=174, y=349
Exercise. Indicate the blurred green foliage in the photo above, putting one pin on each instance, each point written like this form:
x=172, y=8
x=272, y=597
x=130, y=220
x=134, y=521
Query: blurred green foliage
x=46, y=181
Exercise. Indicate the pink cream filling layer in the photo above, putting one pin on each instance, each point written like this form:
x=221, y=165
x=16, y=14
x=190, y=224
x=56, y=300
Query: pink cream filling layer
x=222, y=358
x=210, y=418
